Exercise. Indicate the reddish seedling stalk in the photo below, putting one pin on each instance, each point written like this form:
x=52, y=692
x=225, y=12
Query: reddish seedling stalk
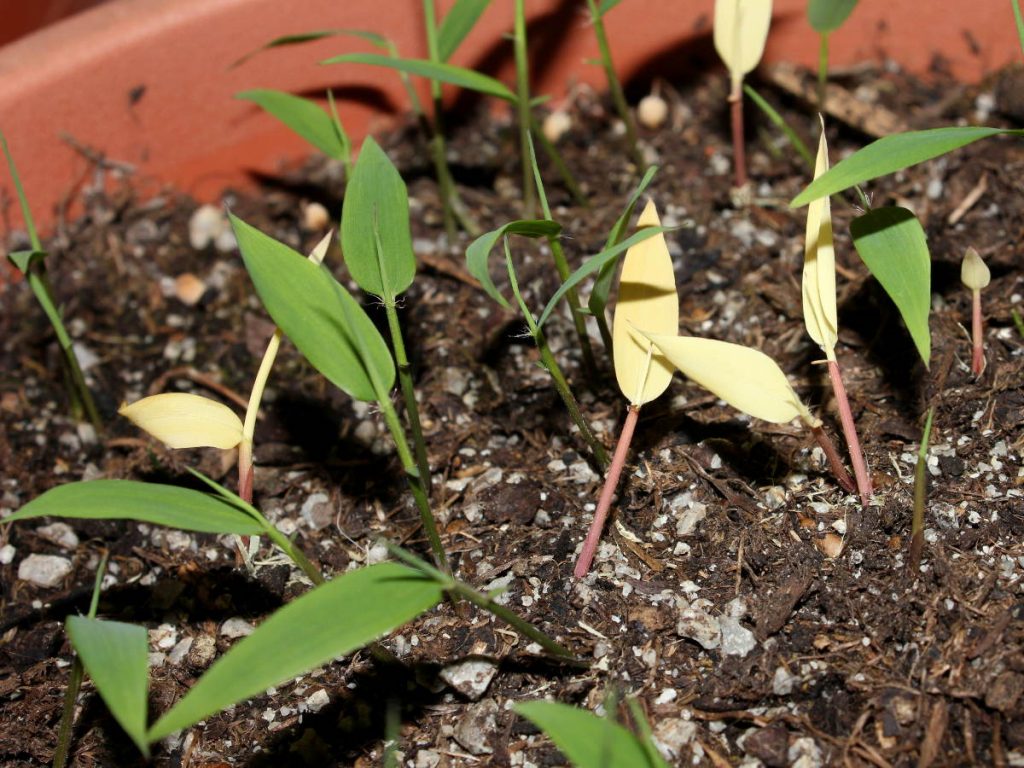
x=835, y=462
x=604, y=502
x=860, y=470
x=739, y=150
x=977, y=332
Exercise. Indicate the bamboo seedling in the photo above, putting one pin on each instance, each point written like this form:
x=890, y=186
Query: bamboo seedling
x=740, y=32
x=32, y=264
x=920, y=495
x=647, y=299
x=826, y=16
x=975, y=276
x=821, y=316
x=597, y=14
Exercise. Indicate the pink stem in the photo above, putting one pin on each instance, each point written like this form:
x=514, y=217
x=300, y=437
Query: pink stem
x=834, y=461
x=978, y=356
x=604, y=503
x=860, y=470
x=739, y=152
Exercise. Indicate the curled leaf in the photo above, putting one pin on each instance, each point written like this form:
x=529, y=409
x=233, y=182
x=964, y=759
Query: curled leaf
x=183, y=420
x=648, y=300
x=741, y=29
x=746, y=378
x=819, y=278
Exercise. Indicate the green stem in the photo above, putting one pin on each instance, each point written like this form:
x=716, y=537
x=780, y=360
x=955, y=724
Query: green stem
x=780, y=122
x=67, y=717
x=556, y=158
x=615, y=87
x=297, y=556
x=822, y=71
x=437, y=142
x=920, y=496
x=1020, y=22
x=408, y=394
x=523, y=105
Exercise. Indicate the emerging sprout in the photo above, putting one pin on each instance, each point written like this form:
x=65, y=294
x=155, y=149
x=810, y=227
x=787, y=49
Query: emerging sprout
x=741, y=29
x=975, y=275
x=647, y=299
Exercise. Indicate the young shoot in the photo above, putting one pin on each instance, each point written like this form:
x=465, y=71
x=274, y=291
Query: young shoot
x=826, y=16
x=647, y=299
x=821, y=316
x=740, y=32
x=920, y=496
x=975, y=276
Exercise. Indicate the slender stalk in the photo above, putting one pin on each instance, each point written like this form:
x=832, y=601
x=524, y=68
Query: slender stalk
x=523, y=107
x=780, y=122
x=297, y=555
x=860, y=471
x=977, y=335
x=739, y=151
x=604, y=503
x=259, y=385
x=834, y=461
x=822, y=71
x=549, y=362
x=615, y=87
x=67, y=717
x=408, y=394
x=920, y=496
x=1019, y=21
x=437, y=142
x=556, y=158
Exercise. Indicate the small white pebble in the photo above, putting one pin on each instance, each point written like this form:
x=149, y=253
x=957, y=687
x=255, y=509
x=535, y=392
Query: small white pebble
x=315, y=217
x=556, y=125
x=652, y=111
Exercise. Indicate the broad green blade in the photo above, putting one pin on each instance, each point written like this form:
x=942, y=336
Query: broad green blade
x=116, y=656
x=893, y=153
x=457, y=24
x=444, y=73
x=479, y=251
x=330, y=621
x=606, y=276
x=305, y=302
x=307, y=37
x=892, y=243
x=746, y=378
x=303, y=116
x=593, y=264
x=588, y=741
x=377, y=206
x=605, y=6
x=146, y=502
x=828, y=15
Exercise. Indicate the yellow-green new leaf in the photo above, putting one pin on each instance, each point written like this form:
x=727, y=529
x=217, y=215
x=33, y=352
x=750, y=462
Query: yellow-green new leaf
x=746, y=378
x=648, y=300
x=183, y=420
x=819, y=280
x=741, y=29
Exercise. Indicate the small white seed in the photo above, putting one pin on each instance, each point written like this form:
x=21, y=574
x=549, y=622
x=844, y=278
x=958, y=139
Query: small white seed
x=652, y=111
x=315, y=217
x=204, y=225
x=189, y=289
x=973, y=271
x=556, y=125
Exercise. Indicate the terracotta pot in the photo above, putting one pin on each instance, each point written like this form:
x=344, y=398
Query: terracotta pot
x=148, y=82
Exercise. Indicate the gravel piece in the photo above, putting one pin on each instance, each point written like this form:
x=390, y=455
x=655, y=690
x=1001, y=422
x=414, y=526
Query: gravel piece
x=44, y=570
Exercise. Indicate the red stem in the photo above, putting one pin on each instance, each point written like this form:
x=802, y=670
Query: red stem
x=739, y=152
x=604, y=503
x=860, y=470
x=978, y=356
x=834, y=461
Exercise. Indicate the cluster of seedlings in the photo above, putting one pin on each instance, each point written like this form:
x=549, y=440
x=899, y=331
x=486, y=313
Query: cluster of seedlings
x=334, y=332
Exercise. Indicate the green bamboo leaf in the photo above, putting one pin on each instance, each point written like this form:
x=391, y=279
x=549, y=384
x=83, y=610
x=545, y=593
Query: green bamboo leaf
x=116, y=656
x=146, y=502
x=593, y=264
x=606, y=276
x=606, y=6
x=444, y=73
x=377, y=205
x=24, y=260
x=307, y=37
x=479, y=250
x=828, y=15
x=330, y=621
x=303, y=116
x=457, y=24
x=310, y=307
x=892, y=244
x=894, y=153
x=588, y=741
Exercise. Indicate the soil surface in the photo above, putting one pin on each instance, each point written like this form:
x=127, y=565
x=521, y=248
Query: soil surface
x=758, y=612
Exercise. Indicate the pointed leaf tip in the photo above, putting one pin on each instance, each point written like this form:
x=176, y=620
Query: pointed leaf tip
x=819, y=273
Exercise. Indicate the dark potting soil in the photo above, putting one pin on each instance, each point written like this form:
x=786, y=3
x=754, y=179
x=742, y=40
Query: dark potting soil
x=757, y=611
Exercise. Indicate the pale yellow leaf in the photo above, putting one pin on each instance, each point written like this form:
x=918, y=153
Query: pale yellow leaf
x=740, y=31
x=973, y=272
x=182, y=420
x=746, y=378
x=819, y=279
x=648, y=300
x=320, y=249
